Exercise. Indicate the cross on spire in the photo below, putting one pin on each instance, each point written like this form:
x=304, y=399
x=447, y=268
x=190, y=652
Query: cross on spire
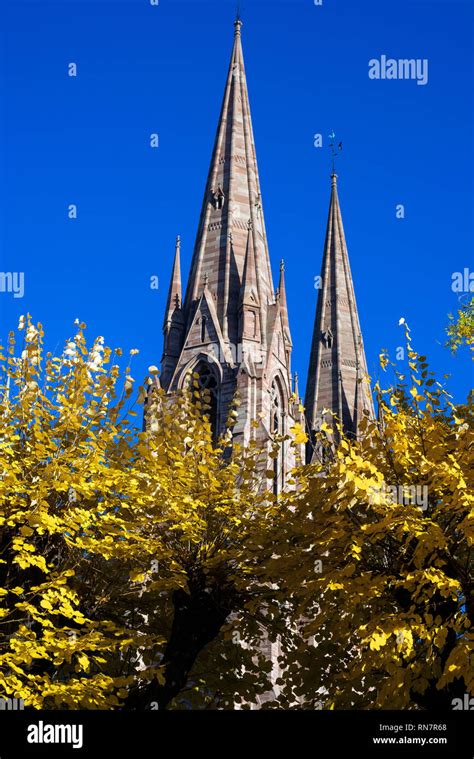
x=238, y=21
x=334, y=151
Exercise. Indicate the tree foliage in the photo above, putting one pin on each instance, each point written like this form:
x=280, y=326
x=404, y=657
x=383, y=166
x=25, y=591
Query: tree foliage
x=460, y=330
x=123, y=553
x=391, y=518
x=157, y=569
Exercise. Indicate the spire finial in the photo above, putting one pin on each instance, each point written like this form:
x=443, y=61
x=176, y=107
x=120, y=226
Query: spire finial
x=334, y=153
x=238, y=20
x=282, y=265
x=178, y=241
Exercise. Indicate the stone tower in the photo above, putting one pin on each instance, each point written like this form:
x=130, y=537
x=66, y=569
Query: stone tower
x=337, y=366
x=231, y=328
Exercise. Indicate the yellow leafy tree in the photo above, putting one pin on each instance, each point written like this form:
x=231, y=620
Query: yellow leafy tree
x=124, y=553
x=460, y=329
x=154, y=569
x=378, y=558
x=67, y=531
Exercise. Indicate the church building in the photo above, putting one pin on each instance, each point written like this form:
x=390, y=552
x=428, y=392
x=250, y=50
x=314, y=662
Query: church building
x=231, y=327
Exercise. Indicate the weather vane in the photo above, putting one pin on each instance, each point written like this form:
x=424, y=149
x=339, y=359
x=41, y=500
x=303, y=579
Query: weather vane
x=334, y=150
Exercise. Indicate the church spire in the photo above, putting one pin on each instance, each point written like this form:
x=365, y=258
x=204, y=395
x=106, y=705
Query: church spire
x=173, y=325
x=231, y=327
x=174, y=292
x=284, y=304
x=337, y=366
x=231, y=197
x=249, y=287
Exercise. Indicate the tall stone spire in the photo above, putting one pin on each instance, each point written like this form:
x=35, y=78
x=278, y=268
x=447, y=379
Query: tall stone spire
x=233, y=329
x=284, y=304
x=232, y=197
x=174, y=292
x=337, y=366
x=173, y=324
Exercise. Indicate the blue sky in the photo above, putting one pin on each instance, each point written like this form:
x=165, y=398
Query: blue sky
x=144, y=69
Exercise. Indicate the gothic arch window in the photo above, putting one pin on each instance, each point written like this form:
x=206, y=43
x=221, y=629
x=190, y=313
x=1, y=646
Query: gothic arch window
x=203, y=329
x=277, y=427
x=207, y=380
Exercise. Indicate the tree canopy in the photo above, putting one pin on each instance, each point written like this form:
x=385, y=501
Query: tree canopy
x=157, y=569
